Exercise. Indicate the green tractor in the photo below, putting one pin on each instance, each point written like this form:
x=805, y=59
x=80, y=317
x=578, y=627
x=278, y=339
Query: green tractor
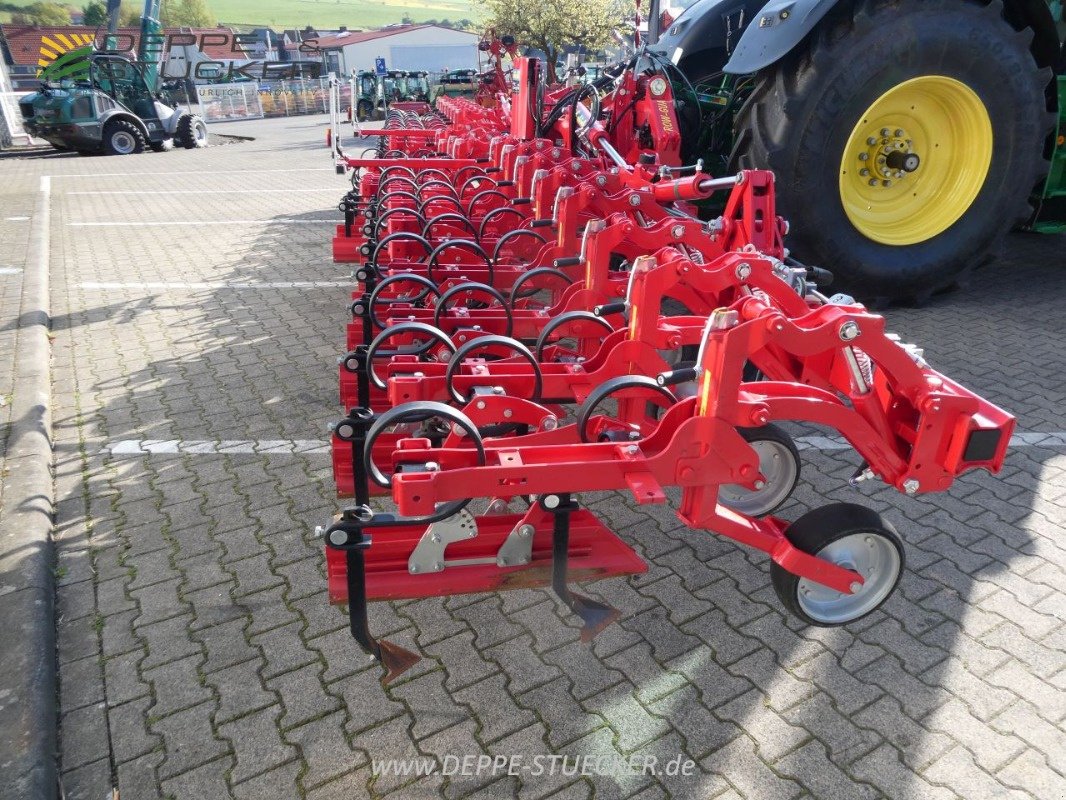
x=369, y=96
x=907, y=136
x=110, y=110
x=104, y=101
x=417, y=87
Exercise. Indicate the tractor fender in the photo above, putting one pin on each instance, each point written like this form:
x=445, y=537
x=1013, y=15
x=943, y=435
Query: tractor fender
x=119, y=113
x=783, y=24
x=774, y=32
x=704, y=26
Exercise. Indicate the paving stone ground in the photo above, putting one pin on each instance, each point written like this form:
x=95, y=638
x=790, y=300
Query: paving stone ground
x=198, y=657
x=16, y=208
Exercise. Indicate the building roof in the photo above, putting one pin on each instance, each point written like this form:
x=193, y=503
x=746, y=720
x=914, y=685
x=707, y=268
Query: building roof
x=30, y=45
x=336, y=41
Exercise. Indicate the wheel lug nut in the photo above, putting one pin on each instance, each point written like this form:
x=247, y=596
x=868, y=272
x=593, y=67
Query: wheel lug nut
x=884, y=131
x=864, y=172
x=886, y=184
x=900, y=133
x=871, y=141
x=873, y=181
x=864, y=156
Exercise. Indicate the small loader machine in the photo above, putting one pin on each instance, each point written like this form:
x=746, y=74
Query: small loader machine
x=104, y=101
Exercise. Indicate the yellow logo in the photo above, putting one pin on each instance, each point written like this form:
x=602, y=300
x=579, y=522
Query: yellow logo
x=54, y=46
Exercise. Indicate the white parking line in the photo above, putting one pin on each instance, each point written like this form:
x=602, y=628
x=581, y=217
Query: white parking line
x=135, y=447
x=205, y=173
x=201, y=222
x=165, y=286
x=167, y=192
x=140, y=447
x=9, y=271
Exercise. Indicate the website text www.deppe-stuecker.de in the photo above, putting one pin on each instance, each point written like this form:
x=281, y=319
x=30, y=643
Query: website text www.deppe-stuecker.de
x=535, y=766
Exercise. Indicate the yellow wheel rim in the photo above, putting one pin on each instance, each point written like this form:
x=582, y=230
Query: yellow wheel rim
x=916, y=160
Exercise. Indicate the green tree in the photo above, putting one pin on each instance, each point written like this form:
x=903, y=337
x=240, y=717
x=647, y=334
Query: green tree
x=94, y=14
x=45, y=13
x=187, y=13
x=199, y=14
x=129, y=16
x=551, y=25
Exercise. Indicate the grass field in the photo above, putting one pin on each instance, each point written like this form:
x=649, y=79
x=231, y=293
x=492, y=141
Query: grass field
x=329, y=13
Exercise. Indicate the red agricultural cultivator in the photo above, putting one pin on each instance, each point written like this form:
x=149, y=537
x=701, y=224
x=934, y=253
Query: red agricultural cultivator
x=542, y=312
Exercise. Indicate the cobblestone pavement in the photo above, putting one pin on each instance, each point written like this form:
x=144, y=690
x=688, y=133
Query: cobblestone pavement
x=16, y=207
x=199, y=658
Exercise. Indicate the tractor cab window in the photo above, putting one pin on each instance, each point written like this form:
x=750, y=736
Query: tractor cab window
x=123, y=81
x=392, y=89
x=100, y=78
x=422, y=84
x=366, y=85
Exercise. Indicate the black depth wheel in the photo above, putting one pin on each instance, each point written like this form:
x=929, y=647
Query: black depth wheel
x=901, y=158
x=416, y=299
x=849, y=536
x=586, y=318
x=779, y=463
x=469, y=290
x=486, y=343
x=647, y=401
x=426, y=338
x=417, y=412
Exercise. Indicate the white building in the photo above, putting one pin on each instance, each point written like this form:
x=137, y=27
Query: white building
x=404, y=47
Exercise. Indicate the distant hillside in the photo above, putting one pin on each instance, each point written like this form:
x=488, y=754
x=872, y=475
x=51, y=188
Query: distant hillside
x=328, y=13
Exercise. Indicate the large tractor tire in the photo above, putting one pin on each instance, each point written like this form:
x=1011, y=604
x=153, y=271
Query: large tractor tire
x=364, y=110
x=191, y=132
x=906, y=138
x=123, y=138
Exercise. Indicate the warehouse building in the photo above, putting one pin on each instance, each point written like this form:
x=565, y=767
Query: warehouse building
x=404, y=47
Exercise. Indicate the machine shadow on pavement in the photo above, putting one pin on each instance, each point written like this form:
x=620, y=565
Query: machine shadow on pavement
x=208, y=600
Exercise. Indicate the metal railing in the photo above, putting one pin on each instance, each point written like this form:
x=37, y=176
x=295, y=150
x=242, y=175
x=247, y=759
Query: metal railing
x=230, y=101
x=311, y=96
x=289, y=98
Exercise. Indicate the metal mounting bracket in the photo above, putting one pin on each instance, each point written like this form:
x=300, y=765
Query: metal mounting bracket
x=428, y=555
